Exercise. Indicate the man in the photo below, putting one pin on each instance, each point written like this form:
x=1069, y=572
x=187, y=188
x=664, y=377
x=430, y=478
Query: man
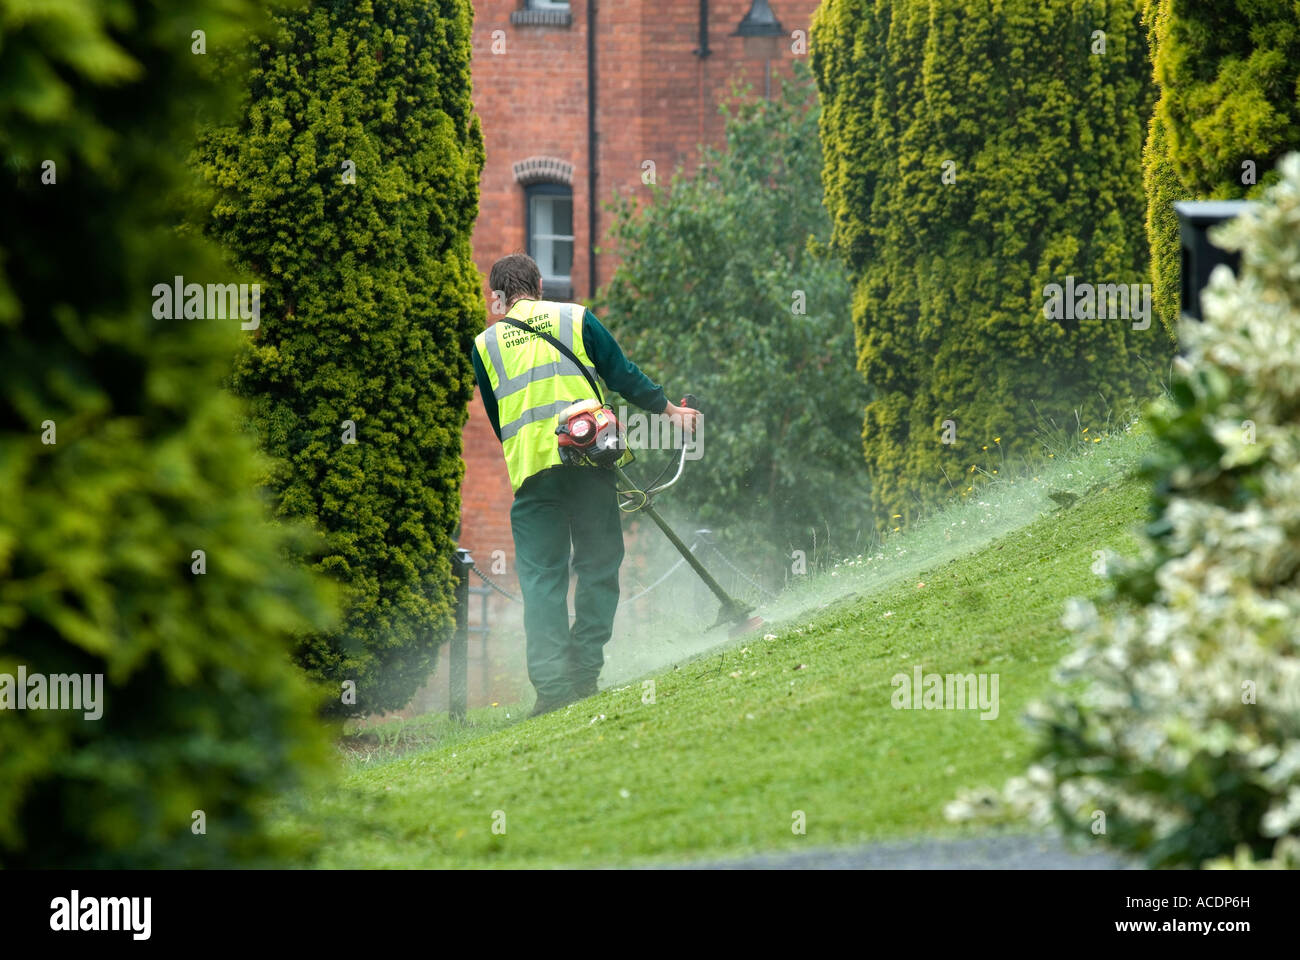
x=524, y=382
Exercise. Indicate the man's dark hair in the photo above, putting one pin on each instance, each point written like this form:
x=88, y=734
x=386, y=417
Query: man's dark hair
x=516, y=276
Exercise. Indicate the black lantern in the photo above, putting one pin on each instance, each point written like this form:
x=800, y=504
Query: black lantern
x=761, y=32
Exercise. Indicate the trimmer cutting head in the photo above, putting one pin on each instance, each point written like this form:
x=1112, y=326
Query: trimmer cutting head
x=743, y=627
x=737, y=614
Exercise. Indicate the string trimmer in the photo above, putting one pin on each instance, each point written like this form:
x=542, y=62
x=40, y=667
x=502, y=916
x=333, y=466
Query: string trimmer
x=590, y=431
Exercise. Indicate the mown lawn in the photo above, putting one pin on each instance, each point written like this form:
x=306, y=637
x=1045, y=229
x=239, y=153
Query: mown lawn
x=736, y=742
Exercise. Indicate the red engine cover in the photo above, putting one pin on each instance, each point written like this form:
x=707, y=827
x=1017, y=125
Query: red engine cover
x=582, y=429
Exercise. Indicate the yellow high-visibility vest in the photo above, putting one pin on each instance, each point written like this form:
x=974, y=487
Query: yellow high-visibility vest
x=533, y=381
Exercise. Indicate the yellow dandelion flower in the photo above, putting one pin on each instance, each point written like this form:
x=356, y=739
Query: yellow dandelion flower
x=997, y=439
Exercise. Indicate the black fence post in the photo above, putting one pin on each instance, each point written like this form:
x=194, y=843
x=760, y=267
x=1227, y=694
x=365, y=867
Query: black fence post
x=483, y=644
x=458, y=671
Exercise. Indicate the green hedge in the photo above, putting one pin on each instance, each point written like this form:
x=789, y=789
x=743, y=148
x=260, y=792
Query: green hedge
x=1228, y=75
x=371, y=304
x=1044, y=137
x=201, y=708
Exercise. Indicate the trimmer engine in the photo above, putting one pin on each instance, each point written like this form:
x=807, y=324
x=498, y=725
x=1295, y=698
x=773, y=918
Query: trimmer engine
x=589, y=435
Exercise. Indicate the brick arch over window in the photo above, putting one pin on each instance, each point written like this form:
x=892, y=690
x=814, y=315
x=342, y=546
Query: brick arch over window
x=543, y=170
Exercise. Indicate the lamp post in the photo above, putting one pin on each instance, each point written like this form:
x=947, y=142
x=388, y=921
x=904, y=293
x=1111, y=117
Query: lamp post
x=762, y=33
x=1199, y=256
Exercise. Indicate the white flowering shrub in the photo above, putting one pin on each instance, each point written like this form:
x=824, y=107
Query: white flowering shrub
x=1180, y=721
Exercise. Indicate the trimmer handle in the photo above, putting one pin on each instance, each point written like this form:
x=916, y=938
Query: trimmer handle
x=692, y=401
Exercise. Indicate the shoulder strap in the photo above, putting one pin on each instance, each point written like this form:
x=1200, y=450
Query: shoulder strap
x=562, y=348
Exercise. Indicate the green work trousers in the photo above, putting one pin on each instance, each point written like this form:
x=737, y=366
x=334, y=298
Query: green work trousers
x=554, y=509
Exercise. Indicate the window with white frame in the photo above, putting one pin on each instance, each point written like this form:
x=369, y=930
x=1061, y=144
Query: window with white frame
x=542, y=13
x=550, y=235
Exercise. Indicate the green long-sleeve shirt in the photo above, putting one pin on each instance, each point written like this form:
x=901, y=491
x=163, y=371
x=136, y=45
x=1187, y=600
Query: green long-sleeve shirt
x=619, y=373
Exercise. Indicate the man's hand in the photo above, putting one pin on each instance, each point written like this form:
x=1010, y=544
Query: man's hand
x=686, y=417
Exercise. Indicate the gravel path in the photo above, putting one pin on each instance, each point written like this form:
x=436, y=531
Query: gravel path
x=1008, y=852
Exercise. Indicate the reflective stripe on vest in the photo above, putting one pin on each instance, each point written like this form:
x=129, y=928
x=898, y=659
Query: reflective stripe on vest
x=533, y=382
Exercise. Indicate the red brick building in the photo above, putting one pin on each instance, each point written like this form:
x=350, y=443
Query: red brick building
x=580, y=101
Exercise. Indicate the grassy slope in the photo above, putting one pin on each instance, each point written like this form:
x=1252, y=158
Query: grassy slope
x=738, y=740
